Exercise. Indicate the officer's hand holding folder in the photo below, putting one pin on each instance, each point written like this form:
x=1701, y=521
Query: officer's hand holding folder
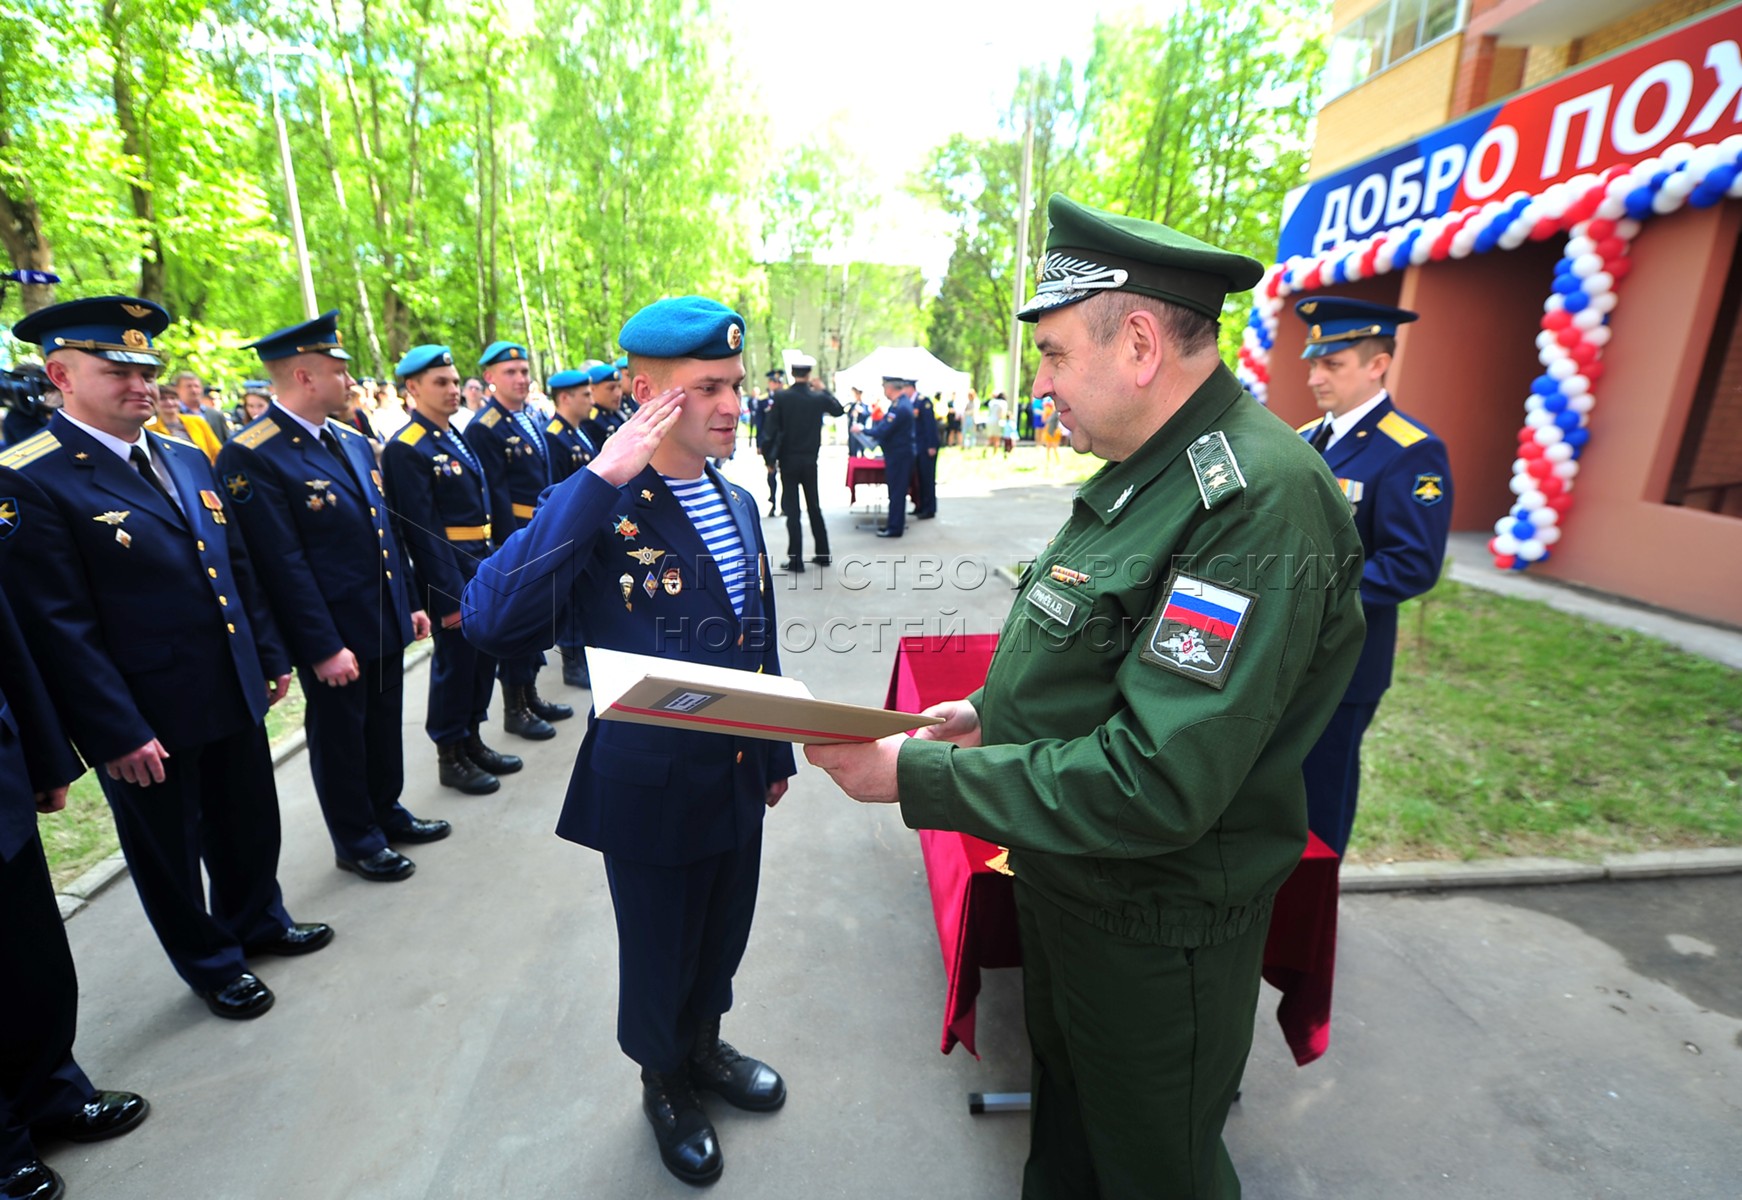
x=650, y=690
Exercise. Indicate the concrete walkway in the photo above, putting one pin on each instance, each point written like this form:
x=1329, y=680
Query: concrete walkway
x=457, y=1039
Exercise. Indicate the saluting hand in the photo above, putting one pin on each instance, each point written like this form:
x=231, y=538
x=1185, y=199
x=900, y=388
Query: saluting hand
x=142, y=768
x=628, y=451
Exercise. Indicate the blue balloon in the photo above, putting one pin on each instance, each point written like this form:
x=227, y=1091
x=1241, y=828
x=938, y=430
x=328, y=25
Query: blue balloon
x=1567, y=420
x=1639, y=203
x=1658, y=179
x=1523, y=529
x=1556, y=403
x=1400, y=256
x=1576, y=438
x=1576, y=301
x=1518, y=564
x=1722, y=176
x=1544, y=385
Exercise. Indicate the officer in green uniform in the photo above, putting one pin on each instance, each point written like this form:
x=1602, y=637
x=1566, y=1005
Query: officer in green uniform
x=1167, y=663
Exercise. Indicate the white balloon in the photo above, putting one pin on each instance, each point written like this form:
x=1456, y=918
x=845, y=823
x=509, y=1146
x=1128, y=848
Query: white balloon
x=1554, y=303
x=1679, y=184
x=1559, y=452
x=1566, y=470
x=1544, y=339
x=1612, y=208
x=1735, y=189
x=1548, y=535
x=1536, y=418
x=1600, y=284
x=1581, y=404
x=1666, y=201
x=1531, y=549
x=1575, y=385
x=1563, y=368
x=1503, y=526
x=1587, y=318
x=1548, y=435
x=1513, y=238
x=1532, y=402
x=1505, y=544
x=1586, y=265
x=1603, y=302
x=1521, y=483
x=1578, y=246
x=1600, y=336
x=1544, y=516
x=1532, y=499
x=1628, y=229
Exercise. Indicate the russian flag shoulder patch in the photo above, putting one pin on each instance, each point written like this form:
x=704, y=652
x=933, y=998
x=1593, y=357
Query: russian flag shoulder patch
x=1198, y=628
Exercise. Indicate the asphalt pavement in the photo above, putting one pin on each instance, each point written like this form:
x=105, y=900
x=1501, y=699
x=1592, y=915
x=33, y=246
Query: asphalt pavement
x=457, y=1039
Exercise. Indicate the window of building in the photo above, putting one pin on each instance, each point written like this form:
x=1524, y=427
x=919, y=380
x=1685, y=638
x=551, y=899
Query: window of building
x=1708, y=470
x=1385, y=35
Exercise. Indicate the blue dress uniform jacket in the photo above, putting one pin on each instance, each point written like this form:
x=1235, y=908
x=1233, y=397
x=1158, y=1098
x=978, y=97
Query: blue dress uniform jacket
x=95, y=548
x=570, y=449
x=1396, y=475
x=514, y=455
x=445, y=511
x=39, y=1081
x=602, y=424
x=335, y=578
x=646, y=794
x=895, y=434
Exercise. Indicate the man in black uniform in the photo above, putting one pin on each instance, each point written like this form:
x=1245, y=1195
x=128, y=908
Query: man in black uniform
x=764, y=445
x=309, y=499
x=43, y=1093
x=795, y=438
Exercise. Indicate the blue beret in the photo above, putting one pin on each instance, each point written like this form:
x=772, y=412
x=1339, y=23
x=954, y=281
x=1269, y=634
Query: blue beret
x=568, y=379
x=1335, y=323
x=319, y=336
x=684, y=327
x=497, y=352
x=602, y=373
x=422, y=358
x=118, y=328
x=622, y=363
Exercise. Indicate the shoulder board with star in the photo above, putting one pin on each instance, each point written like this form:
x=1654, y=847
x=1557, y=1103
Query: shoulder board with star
x=489, y=417
x=1217, y=470
x=29, y=450
x=411, y=433
x=555, y=426
x=1400, y=429
x=262, y=430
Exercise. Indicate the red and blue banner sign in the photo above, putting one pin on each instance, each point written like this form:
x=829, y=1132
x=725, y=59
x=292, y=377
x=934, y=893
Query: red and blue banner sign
x=1684, y=88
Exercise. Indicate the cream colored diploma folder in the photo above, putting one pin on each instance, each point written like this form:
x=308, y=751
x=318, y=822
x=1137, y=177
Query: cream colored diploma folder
x=650, y=690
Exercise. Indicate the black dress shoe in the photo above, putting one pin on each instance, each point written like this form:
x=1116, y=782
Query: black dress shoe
x=298, y=939
x=33, y=1181
x=688, y=1146
x=418, y=830
x=549, y=710
x=104, y=1115
x=793, y=566
x=242, y=999
x=822, y=560
x=386, y=865
x=889, y=533
x=739, y=1080
x=488, y=759
x=455, y=769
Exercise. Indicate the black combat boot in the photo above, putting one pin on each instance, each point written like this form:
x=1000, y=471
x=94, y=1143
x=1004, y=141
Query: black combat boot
x=738, y=1080
x=519, y=719
x=460, y=772
x=549, y=710
x=575, y=673
x=687, y=1143
x=496, y=764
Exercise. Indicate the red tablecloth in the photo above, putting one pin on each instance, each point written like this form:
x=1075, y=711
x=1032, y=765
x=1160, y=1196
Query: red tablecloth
x=868, y=472
x=975, y=907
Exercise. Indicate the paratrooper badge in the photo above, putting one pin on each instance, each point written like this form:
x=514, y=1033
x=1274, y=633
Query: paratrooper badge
x=626, y=583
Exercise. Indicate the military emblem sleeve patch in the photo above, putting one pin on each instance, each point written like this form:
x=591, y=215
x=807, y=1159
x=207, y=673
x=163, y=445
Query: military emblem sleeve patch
x=1198, y=628
x=236, y=483
x=1429, y=489
x=10, y=519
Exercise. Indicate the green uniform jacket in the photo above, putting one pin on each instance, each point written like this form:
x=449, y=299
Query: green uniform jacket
x=1145, y=773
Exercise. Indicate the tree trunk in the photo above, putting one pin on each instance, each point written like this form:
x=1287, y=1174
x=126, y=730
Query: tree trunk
x=24, y=237
x=136, y=144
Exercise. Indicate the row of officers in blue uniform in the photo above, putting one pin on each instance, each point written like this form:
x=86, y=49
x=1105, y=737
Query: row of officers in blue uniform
x=603, y=525
x=165, y=603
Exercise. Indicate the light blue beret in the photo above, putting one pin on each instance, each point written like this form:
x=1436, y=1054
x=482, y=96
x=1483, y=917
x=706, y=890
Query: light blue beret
x=422, y=358
x=497, y=352
x=684, y=327
x=601, y=373
x=568, y=379
x=622, y=363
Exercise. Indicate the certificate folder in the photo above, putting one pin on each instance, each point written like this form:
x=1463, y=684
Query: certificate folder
x=650, y=690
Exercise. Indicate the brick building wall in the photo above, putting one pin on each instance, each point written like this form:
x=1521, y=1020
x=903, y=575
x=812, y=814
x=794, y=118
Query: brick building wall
x=1410, y=98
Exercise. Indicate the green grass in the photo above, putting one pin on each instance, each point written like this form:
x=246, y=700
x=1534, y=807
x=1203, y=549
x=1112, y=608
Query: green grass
x=1512, y=729
x=83, y=834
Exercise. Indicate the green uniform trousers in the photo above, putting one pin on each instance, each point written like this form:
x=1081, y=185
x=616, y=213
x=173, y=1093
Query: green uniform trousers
x=1138, y=1052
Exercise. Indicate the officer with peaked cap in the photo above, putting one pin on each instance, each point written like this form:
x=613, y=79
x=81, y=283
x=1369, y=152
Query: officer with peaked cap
x=895, y=434
x=308, y=495
x=445, y=506
x=43, y=1092
x=669, y=560
x=571, y=450
x=1399, y=481
x=107, y=522
x=508, y=438
x=1138, y=740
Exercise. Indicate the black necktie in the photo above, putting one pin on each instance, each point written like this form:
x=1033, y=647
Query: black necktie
x=331, y=442
x=142, y=462
x=1321, y=438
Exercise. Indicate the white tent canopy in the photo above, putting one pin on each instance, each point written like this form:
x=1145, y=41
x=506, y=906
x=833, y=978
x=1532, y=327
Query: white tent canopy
x=936, y=378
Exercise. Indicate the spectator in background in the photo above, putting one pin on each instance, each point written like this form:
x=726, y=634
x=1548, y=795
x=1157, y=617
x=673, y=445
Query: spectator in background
x=255, y=402
x=190, y=392
x=172, y=421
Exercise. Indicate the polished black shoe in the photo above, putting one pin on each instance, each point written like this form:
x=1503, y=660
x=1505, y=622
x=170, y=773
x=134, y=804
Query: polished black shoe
x=822, y=560
x=33, y=1181
x=688, y=1146
x=575, y=675
x=889, y=533
x=793, y=566
x=549, y=710
x=739, y=1080
x=520, y=720
x=771, y=510
x=104, y=1115
x=386, y=865
x=298, y=939
x=456, y=769
x=924, y=516
x=242, y=999
x=488, y=759
x=417, y=830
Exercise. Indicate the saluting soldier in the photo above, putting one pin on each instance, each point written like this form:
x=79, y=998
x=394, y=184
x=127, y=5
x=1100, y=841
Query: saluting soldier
x=570, y=451
x=42, y=1090
x=509, y=440
x=1399, y=481
x=895, y=434
x=104, y=522
x=444, y=504
x=608, y=415
x=925, y=457
x=1138, y=740
x=308, y=496
x=669, y=559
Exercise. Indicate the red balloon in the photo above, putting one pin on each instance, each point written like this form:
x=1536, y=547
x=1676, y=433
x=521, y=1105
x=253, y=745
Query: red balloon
x=1311, y=282
x=1491, y=549
x=1504, y=561
x=1531, y=449
x=1618, y=268
x=1569, y=337
x=1371, y=258
x=1584, y=354
x=1539, y=468
x=1611, y=247
x=1527, y=434
x=1551, y=484
x=1600, y=229
x=1557, y=320
x=1593, y=371
x=1544, y=229
x=1561, y=503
